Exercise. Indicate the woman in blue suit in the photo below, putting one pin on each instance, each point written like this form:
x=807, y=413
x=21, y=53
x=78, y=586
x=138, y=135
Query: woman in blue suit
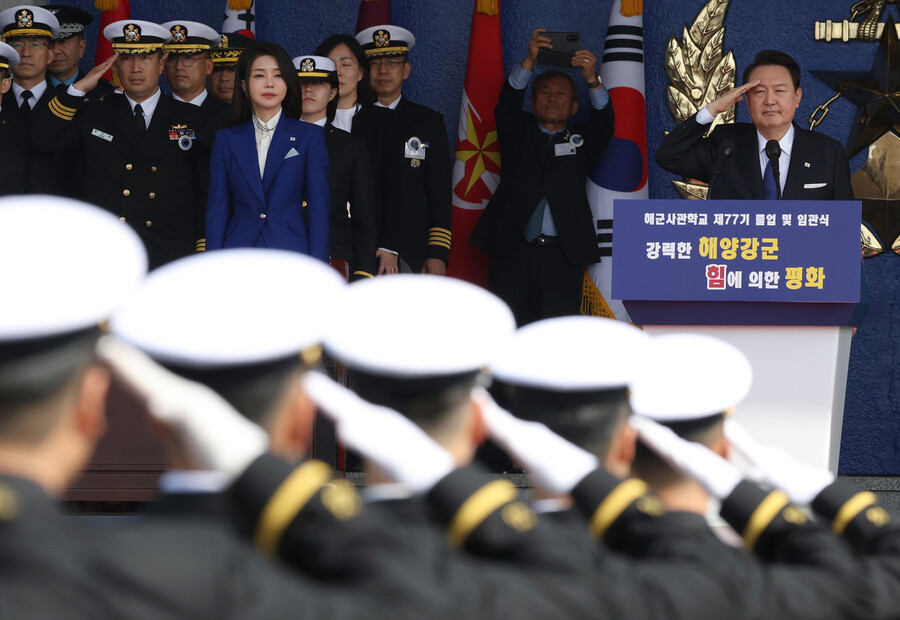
x=268, y=165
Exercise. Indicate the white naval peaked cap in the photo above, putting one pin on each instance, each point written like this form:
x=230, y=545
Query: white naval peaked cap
x=64, y=266
x=231, y=307
x=416, y=326
x=310, y=66
x=9, y=57
x=573, y=353
x=136, y=36
x=689, y=377
x=26, y=20
x=189, y=36
x=385, y=40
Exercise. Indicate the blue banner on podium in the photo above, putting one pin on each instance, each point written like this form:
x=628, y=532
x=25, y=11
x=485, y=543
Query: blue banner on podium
x=736, y=251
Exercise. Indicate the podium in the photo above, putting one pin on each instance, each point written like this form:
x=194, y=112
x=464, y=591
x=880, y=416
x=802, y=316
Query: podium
x=780, y=280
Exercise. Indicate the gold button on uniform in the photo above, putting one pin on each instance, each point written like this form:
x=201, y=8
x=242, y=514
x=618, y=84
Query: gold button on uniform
x=152, y=194
x=122, y=218
x=128, y=166
x=126, y=192
x=262, y=216
x=152, y=168
x=148, y=223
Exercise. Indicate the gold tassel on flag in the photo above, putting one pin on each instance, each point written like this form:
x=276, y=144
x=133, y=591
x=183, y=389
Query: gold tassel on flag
x=630, y=8
x=592, y=302
x=486, y=7
x=106, y=5
x=239, y=5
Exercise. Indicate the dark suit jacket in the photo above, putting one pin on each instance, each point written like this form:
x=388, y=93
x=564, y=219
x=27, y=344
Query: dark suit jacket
x=245, y=210
x=531, y=171
x=13, y=150
x=819, y=169
x=155, y=182
x=414, y=207
x=354, y=236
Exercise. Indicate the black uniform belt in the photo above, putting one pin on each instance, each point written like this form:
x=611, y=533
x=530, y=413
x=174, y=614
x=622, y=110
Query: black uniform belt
x=545, y=240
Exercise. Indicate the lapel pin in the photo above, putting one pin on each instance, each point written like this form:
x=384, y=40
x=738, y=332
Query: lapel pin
x=806, y=164
x=293, y=139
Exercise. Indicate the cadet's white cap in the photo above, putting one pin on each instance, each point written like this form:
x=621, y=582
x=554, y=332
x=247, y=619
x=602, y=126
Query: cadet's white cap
x=574, y=353
x=134, y=36
x=385, y=40
x=189, y=37
x=231, y=307
x=419, y=326
x=689, y=377
x=9, y=57
x=64, y=266
x=26, y=20
x=314, y=67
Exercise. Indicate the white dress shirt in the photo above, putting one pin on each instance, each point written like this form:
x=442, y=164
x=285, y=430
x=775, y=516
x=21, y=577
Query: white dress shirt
x=264, y=132
x=37, y=92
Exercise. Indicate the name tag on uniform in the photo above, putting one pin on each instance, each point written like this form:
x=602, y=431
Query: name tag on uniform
x=565, y=148
x=101, y=134
x=415, y=148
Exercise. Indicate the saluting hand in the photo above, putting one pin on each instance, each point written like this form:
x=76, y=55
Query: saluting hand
x=729, y=98
x=90, y=81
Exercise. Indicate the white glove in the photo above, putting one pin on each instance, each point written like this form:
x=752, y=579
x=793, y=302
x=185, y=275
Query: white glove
x=718, y=476
x=775, y=467
x=392, y=442
x=213, y=435
x=553, y=463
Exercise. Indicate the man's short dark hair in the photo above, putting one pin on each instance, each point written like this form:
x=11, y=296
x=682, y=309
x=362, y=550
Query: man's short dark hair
x=649, y=467
x=549, y=75
x=256, y=391
x=589, y=419
x=428, y=402
x=33, y=373
x=774, y=57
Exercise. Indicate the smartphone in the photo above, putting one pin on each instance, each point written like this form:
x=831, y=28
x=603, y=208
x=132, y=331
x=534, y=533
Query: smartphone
x=565, y=44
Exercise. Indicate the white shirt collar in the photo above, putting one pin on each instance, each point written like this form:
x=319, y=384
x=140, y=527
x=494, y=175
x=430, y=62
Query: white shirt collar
x=197, y=101
x=184, y=481
x=37, y=91
x=321, y=122
x=272, y=123
x=387, y=492
x=786, y=142
x=392, y=105
x=343, y=118
x=147, y=105
x=543, y=506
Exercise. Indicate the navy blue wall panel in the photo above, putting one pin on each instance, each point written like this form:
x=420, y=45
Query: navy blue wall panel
x=871, y=428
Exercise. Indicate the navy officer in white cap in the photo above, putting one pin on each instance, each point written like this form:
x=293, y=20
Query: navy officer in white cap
x=142, y=151
x=408, y=146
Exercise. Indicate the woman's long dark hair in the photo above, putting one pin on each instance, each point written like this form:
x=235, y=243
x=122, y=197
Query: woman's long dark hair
x=241, y=108
x=364, y=93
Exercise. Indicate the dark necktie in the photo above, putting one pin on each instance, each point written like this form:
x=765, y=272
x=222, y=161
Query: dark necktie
x=769, y=183
x=139, y=122
x=26, y=102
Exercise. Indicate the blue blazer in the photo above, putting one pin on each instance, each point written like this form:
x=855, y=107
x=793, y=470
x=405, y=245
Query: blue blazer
x=245, y=210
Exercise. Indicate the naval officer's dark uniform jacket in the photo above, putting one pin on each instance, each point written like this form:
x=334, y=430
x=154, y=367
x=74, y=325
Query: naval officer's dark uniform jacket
x=354, y=235
x=156, y=182
x=413, y=184
x=13, y=153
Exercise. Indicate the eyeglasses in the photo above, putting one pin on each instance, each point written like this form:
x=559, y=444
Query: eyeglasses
x=390, y=63
x=186, y=60
x=35, y=44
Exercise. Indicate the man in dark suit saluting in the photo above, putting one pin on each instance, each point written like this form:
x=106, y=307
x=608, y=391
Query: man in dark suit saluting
x=768, y=159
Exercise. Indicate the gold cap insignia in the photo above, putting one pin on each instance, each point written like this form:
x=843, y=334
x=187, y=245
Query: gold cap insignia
x=308, y=65
x=179, y=33
x=132, y=32
x=382, y=38
x=25, y=19
x=223, y=41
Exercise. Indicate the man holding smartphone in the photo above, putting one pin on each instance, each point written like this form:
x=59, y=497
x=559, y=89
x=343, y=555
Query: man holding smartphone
x=538, y=226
